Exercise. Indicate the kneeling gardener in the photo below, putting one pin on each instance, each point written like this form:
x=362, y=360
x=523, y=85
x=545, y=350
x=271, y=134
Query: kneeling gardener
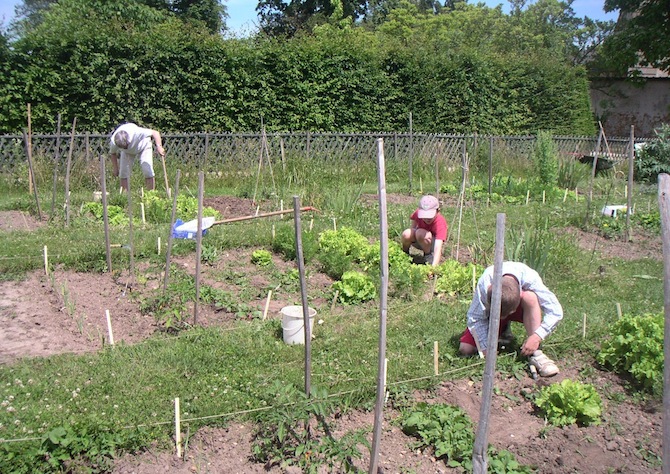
x=525, y=299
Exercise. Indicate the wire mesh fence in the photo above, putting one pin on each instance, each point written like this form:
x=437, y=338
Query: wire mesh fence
x=212, y=151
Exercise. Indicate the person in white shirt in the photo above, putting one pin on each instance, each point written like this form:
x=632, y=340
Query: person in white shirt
x=129, y=141
x=525, y=299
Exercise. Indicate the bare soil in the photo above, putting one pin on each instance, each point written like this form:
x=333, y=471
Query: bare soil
x=66, y=313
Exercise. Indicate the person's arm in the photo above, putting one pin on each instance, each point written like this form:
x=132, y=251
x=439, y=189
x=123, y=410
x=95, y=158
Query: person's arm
x=437, y=252
x=159, y=142
x=531, y=309
x=115, y=163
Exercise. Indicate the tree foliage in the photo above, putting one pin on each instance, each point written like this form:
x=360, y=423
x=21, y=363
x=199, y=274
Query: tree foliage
x=460, y=70
x=642, y=36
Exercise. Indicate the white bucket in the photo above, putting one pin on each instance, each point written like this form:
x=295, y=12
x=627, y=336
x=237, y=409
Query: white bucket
x=293, y=324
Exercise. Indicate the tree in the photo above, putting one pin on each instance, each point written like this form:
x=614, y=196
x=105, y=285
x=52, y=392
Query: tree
x=286, y=18
x=642, y=35
x=212, y=13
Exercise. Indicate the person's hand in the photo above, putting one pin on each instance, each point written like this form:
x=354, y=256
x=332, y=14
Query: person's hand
x=530, y=345
x=161, y=151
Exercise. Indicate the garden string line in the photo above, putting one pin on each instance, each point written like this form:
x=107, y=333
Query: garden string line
x=259, y=409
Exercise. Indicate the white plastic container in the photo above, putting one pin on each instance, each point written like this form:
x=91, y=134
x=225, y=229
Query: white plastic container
x=612, y=211
x=293, y=324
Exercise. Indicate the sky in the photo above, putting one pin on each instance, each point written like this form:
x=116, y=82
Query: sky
x=242, y=13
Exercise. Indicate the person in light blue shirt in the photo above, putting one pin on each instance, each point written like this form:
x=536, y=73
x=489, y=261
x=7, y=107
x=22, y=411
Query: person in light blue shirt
x=525, y=299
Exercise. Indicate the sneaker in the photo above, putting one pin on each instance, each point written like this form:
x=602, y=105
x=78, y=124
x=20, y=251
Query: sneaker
x=506, y=337
x=544, y=365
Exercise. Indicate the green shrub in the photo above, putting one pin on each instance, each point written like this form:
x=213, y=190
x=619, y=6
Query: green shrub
x=654, y=157
x=546, y=159
x=635, y=348
x=570, y=402
x=284, y=244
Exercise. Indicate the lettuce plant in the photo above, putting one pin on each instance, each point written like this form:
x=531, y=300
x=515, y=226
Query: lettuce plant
x=570, y=402
x=635, y=348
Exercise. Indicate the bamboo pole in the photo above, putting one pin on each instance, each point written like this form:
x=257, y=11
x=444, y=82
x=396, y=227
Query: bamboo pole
x=46, y=261
x=267, y=305
x=589, y=195
x=56, y=162
x=68, y=168
x=381, y=368
x=29, y=151
x=168, y=252
x=629, y=188
x=479, y=456
x=105, y=212
x=664, y=208
x=303, y=294
x=31, y=174
x=198, y=246
x=131, y=232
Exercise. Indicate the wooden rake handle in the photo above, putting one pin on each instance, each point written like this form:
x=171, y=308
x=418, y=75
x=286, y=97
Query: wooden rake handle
x=266, y=214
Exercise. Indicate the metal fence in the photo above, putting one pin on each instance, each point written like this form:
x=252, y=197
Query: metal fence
x=212, y=151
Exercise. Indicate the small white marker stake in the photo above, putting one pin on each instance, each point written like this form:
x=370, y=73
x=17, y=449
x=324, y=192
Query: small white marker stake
x=109, y=328
x=576, y=194
x=436, y=358
x=281, y=208
x=584, y=327
x=177, y=427
x=46, y=261
x=273, y=231
x=311, y=224
x=543, y=196
x=334, y=224
x=142, y=192
x=565, y=195
x=267, y=305
x=527, y=196
x=618, y=310
x=144, y=221
x=258, y=208
x=158, y=245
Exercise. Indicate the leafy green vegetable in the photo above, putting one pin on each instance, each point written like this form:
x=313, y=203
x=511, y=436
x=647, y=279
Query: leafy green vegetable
x=570, y=402
x=261, y=257
x=636, y=348
x=445, y=427
x=355, y=287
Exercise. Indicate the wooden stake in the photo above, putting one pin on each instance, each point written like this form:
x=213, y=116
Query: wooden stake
x=158, y=245
x=565, y=195
x=436, y=358
x=543, y=196
x=334, y=224
x=618, y=310
x=273, y=231
x=527, y=196
x=109, y=327
x=267, y=305
x=177, y=427
x=258, y=208
x=46, y=261
x=576, y=195
x=584, y=327
x=311, y=224
x=144, y=220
